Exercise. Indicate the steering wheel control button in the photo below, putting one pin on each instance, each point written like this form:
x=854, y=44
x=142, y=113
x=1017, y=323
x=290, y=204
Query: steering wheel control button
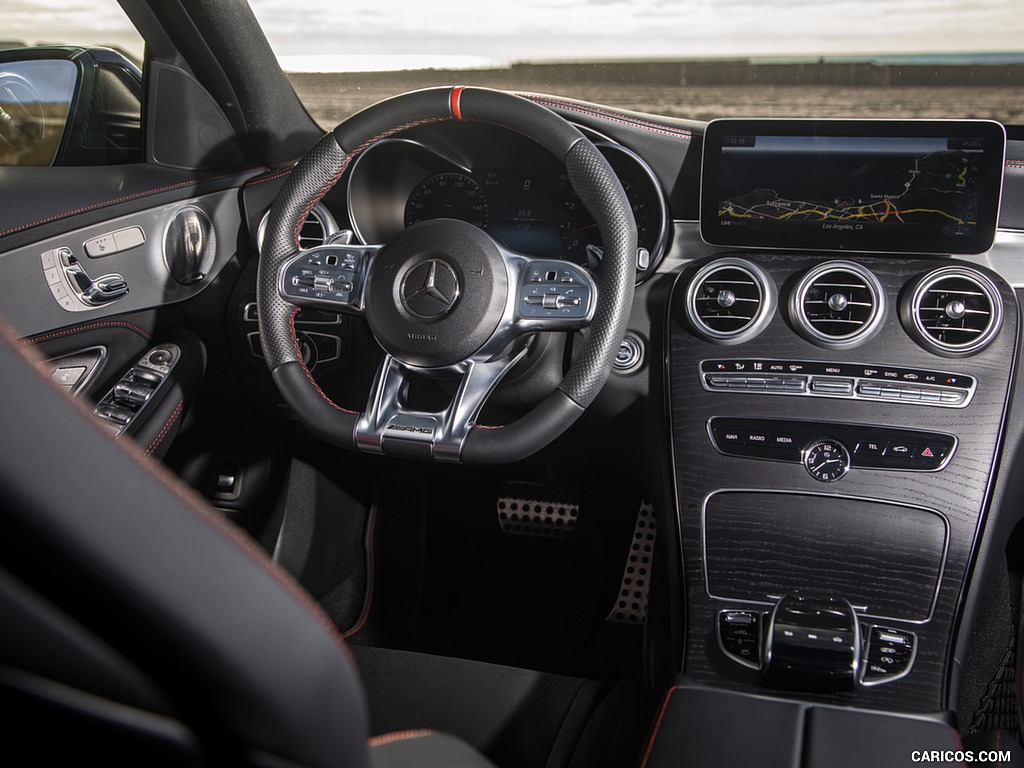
x=843, y=380
x=328, y=276
x=556, y=293
x=827, y=460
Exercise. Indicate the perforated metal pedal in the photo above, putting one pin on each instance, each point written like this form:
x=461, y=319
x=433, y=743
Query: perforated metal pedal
x=528, y=509
x=631, y=604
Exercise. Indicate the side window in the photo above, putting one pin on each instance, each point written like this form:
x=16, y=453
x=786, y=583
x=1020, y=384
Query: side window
x=35, y=101
x=77, y=102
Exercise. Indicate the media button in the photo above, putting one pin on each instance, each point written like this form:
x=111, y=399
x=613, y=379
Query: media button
x=783, y=441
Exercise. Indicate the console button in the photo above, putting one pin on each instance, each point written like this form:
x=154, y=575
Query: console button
x=739, y=634
x=755, y=438
x=831, y=386
x=930, y=454
x=890, y=654
x=900, y=449
x=783, y=441
x=870, y=448
x=728, y=437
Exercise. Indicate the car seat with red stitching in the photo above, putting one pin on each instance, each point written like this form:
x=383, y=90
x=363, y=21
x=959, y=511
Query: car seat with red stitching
x=140, y=629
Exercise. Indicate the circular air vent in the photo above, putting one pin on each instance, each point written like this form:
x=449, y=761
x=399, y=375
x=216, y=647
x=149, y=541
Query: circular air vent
x=953, y=311
x=838, y=303
x=730, y=301
x=318, y=226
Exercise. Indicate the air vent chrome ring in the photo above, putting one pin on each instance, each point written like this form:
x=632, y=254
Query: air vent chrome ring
x=730, y=301
x=953, y=311
x=838, y=304
x=318, y=227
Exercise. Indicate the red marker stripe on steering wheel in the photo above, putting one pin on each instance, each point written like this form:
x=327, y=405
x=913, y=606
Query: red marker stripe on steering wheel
x=456, y=99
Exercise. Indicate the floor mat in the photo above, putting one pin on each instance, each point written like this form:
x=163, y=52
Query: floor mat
x=449, y=580
x=998, y=708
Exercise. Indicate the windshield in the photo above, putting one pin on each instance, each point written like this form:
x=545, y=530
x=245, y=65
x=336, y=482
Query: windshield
x=696, y=59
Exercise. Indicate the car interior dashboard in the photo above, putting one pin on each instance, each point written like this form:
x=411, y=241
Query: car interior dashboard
x=814, y=388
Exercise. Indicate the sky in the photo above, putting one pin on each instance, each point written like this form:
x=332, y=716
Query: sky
x=401, y=33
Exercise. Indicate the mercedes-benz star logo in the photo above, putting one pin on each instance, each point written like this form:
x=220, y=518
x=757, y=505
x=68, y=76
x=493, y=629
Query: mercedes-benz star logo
x=430, y=289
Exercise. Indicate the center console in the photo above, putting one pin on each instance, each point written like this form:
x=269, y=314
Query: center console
x=830, y=490
x=837, y=397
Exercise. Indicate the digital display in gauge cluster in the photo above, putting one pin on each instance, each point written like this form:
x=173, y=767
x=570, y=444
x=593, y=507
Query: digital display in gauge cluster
x=533, y=213
x=504, y=185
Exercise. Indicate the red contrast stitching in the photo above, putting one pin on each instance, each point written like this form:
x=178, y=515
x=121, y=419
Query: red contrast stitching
x=958, y=743
x=1015, y=163
x=167, y=428
x=55, y=217
x=370, y=566
x=389, y=738
x=298, y=356
x=657, y=726
x=316, y=199
x=613, y=116
x=36, y=339
x=270, y=176
x=201, y=509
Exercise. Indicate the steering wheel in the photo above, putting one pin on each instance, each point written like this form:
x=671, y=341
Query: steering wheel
x=443, y=297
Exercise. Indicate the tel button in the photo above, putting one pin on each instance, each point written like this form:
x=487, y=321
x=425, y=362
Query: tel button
x=870, y=448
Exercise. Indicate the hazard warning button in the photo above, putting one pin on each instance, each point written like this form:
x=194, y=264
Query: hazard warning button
x=929, y=455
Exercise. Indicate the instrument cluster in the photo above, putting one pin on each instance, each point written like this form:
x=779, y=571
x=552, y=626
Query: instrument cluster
x=504, y=184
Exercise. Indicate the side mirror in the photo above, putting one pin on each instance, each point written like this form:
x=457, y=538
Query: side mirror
x=69, y=106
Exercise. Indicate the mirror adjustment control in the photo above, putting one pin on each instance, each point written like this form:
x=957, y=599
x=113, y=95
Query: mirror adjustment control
x=121, y=406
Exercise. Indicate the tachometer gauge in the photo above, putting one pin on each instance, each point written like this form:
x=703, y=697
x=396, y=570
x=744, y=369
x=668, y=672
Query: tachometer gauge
x=578, y=229
x=448, y=196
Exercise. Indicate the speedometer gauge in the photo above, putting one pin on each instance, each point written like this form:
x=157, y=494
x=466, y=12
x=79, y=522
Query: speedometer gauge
x=448, y=196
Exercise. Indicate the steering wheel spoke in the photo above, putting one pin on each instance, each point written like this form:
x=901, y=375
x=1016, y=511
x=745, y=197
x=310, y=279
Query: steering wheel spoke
x=389, y=425
x=331, y=277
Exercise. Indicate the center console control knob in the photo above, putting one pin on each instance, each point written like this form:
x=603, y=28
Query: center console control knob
x=812, y=642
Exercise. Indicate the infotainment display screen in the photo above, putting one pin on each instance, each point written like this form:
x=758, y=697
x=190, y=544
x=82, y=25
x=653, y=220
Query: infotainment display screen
x=919, y=186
